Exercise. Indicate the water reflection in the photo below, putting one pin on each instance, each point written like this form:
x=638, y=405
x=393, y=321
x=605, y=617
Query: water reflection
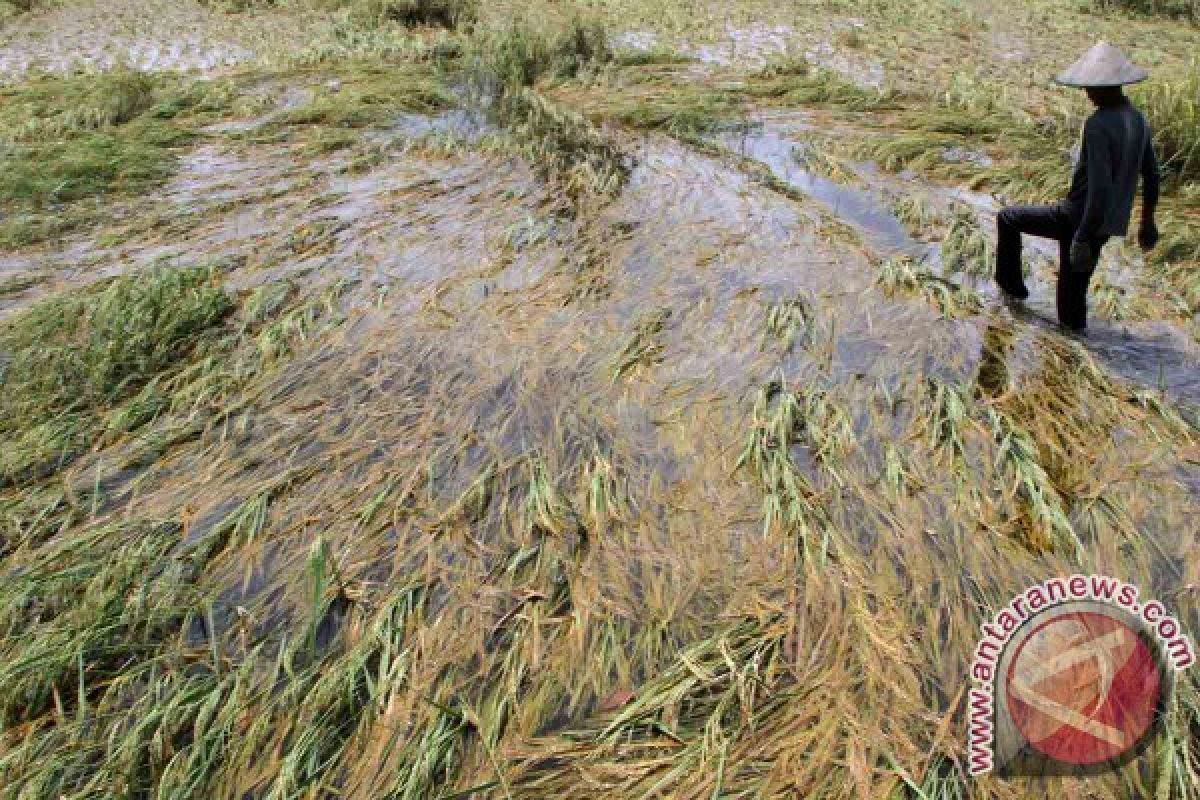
x=775, y=150
x=1152, y=355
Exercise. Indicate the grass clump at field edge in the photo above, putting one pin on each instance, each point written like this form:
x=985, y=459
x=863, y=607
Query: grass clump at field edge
x=369, y=96
x=1172, y=106
x=11, y=8
x=506, y=67
x=71, y=357
x=1177, y=9
x=67, y=139
x=54, y=107
x=435, y=13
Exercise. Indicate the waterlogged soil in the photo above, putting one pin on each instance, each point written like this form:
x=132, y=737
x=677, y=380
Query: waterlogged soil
x=690, y=233
x=1154, y=354
x=774, y=145
x=750, y=48
x=150, y=35
x=478, y=250
x=482, y=322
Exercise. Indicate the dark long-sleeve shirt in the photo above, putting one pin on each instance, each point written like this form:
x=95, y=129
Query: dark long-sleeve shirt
x=1117, y=149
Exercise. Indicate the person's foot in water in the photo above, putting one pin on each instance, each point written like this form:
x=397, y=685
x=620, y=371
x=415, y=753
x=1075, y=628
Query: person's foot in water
x=1013, y=295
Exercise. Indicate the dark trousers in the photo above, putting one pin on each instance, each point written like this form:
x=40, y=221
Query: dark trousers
x=1048, y=222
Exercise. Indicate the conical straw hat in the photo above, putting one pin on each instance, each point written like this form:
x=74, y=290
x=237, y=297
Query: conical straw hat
x=1103, y=65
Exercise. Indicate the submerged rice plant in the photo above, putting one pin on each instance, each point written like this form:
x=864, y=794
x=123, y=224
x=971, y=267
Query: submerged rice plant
x=948, y=418
x=565, y=146
x=817, y=159
x=783, y=419
x=1017, y=462
x=644, y=346
x=798, y=83
x=907, y=275
x=916, y=214
x=967, y=248
x=681, y=110
x=789, y=321
x=1111, y=300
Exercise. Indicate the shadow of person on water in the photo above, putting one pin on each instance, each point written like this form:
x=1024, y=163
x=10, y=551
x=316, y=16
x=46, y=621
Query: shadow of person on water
x=1147, y=354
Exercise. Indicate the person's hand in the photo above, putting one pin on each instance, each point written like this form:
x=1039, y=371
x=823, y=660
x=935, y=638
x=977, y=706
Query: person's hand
x=1148, y=235
x=1081, y=256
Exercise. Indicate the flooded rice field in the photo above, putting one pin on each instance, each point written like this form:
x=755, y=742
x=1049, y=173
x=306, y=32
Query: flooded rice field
x=149, y=36
x=398, y=444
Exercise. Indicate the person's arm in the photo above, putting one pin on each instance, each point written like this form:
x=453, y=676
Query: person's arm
x=1148, y=234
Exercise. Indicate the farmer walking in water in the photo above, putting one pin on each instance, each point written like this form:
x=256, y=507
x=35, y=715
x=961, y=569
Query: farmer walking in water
x=1116, y=149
